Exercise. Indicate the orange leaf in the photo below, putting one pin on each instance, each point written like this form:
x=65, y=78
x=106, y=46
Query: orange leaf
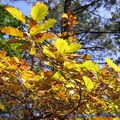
x=2, y=53
x=12, y=31
x=32, y=23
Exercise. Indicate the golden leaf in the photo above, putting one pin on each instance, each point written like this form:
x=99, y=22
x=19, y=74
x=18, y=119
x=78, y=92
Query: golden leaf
x=27, y=75
x=12, y=31
x=46, y=36
x=48, y=52
x=3, y=53
x=90, y=65
x=88, y=83
x=12, y=67
x=32, y=51
x=2, y=106
x=103, y=118
x=73, y=47
x=65, y=16
x=39, y=11
x=16, y=13
x=111, y=64
x=38, y=28
x=71, y=65
x=61, y=45
x=49, y=23
x=16, y=59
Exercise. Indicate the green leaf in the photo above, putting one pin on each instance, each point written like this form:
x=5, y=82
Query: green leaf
x=88, y=83
x=39, y=11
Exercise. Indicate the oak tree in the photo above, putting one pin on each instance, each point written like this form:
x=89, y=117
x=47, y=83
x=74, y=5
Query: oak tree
x=55, y=81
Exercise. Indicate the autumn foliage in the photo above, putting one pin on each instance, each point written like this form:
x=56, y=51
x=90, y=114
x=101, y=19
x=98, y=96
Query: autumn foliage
x=56, y=81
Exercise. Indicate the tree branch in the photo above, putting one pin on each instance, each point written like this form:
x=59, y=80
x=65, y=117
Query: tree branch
x=95, y=47
x=86, y=33
x=98, y=32
x=82, y=8
x=74, y=109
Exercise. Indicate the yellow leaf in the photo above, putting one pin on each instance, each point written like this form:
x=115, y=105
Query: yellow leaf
x=48, y=63
x=36, y=78
x=71, y=65
x=73, y=47
x=16, y=13
x=27, y=75
x=56, y=76
x=61, y=45
x=112, y=65
x=2, y=65
x=70, y=85
x=36, y=29
x=88, y=83
x=48, y=52
x=12, y=31
x=12, y=67
x=46, y=36
x=116, y=118
x=103, y=118
x=49, y=23
x=2, y=107
x=90, y=65
x=65, y=16
x=16, y=59
x=39, y=11
x=72, y=39
x=32, y=51
x=75, y=22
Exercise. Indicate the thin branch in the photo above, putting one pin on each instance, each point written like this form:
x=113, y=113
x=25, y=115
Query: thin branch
x=74, y=109
x=86, y=33
x=97, y=32
x=95, y=47
x=82, y=8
